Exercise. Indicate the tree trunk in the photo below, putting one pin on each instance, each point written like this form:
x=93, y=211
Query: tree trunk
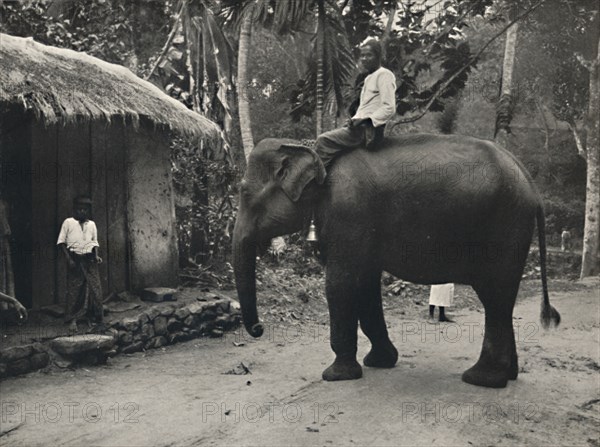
x=387, y=34
x=577, y=138
x=505, y=105
x=590, y=262
x=242, y=75
x=320, y=65
x=542, y=114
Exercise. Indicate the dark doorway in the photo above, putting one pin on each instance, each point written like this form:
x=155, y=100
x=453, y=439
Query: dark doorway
x=15, y=177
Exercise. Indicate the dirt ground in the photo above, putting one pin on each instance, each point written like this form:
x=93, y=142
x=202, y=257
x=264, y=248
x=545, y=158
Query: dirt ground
x=241, y=391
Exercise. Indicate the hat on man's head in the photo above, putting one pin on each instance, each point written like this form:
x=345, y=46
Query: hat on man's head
x=82, y=200
x=374, y=44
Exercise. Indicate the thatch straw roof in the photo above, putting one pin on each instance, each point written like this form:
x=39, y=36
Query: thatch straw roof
x=62, y=86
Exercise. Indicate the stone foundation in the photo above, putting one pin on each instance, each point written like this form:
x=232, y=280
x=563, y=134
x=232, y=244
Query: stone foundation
x=154, y=327
x=23, y=359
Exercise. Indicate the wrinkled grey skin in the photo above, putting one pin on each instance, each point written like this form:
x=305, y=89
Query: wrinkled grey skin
x=429, y=209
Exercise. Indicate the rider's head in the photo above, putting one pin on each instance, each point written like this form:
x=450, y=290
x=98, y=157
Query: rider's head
x=370, y=55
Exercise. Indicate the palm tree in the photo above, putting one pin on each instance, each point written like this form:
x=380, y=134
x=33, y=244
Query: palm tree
x=286, y=17
x=387, y=33
x=242, y=80
x=590, y=258
x=320, y=50
x=330, y=67
x=282, y=17
x=504, y=107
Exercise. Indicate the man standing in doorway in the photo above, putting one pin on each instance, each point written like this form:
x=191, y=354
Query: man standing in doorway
x=78, y=240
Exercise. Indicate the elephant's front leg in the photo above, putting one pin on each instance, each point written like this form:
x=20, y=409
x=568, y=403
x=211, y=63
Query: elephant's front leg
x=342, y=289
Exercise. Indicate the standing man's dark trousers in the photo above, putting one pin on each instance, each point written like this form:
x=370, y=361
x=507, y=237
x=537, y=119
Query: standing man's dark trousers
x=330, y=144
x=84, y=290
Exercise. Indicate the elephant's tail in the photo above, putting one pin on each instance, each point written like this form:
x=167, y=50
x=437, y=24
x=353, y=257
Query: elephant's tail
x=549, y=314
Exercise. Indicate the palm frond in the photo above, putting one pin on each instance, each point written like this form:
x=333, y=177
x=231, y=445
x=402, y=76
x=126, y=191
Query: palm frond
x=280, y=16
x=233, y=11
x=289, y=15
x=197, y=68
x=339, y=70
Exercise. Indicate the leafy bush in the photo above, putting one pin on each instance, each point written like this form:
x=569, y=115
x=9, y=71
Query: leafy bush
x=205, y=204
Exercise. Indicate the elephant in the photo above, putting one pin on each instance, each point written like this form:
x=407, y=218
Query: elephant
x=427, y=208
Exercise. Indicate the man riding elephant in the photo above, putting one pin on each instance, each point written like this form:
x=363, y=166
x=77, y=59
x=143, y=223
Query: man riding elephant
x=377, y=106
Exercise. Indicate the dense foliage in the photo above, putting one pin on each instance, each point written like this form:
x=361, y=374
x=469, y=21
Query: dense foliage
x=424, y=46
x=426, y=43
x=205, y=204
x=112, y=30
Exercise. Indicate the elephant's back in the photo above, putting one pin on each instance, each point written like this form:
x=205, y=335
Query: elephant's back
x=433, y=156
x=440, y=146
x=440, y=166
x=418, y=148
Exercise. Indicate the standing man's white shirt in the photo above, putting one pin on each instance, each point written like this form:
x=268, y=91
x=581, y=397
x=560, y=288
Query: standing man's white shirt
x=77, y=239
x=378, y=97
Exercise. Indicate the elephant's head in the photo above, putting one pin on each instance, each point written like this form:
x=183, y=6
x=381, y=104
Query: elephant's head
x=271, y=204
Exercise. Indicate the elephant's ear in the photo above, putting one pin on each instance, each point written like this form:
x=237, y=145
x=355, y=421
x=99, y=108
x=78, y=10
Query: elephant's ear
x=299, y=166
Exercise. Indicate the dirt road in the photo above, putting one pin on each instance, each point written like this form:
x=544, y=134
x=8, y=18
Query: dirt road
x=195, y=393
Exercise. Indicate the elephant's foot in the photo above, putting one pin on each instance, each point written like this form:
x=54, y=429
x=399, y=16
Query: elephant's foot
x=487, y=375
x=347, y=369
x=382, y=357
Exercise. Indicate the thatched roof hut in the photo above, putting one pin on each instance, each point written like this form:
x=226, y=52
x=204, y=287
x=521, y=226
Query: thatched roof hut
x=61, y=86
x=70, y=125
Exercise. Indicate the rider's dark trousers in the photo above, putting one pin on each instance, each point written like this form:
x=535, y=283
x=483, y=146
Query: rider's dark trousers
x=330, y=144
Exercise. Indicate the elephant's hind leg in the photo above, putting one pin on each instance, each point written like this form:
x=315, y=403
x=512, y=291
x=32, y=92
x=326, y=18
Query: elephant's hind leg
x=498, y=360
x=383, y=354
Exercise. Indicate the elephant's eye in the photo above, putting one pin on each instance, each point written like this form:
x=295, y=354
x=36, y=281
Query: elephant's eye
x=245, y=194
x=281, y=173
x=245, y=191
x=243, y=188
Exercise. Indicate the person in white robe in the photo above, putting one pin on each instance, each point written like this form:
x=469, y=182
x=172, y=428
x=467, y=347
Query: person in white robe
x=442, y=296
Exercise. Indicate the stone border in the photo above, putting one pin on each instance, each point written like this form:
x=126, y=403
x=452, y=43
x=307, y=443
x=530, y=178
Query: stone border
x=157, y=327
x=23, y=359
x=153, y=328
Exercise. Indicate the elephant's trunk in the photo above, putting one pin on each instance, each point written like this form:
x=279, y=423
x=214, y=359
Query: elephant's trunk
x=244, y=265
